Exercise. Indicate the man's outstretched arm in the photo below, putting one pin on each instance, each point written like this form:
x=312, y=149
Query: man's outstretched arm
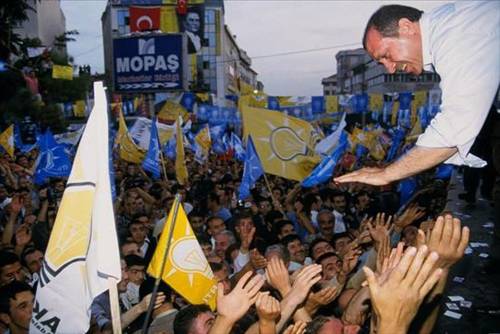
x=415, y=161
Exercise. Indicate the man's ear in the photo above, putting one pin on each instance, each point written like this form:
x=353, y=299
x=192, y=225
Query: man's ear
x=406, y=27
x=5, y=318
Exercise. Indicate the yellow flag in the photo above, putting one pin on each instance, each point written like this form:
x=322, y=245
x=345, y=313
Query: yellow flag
x=246, y=89
x=129, y=151
x=168, y=20
x=186, y=268
x=180, y=164
x=331, y=103
x=193, y=67
x=203, y=96
x=415, y=131
x=418, y=101
x=79, y=108
x=285, y=101
x=284, y=144
x=258, y=100
x=62, y=72
x=203, y=139
x=395, y=111
x=376, y=102
x=171, y=111
x=7, y=140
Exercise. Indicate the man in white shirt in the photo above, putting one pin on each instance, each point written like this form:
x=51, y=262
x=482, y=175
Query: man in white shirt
x=460, y=42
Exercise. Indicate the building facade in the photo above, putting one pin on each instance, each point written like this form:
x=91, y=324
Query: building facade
x=45, y=22
x=330, y=85
x=357, y=73
x=217, y=68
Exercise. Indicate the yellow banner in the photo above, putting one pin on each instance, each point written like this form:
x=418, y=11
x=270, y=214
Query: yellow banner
x=285, y=144
x=168, y=20
x=418, y=101
x=186, y=269
x=331, y=103
x=62, y=72
x=376, y=102
x=171, y=111
x=7, y=140
x=129, y=151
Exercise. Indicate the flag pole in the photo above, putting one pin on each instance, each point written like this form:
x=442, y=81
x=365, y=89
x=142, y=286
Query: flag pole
x=115, y=307
x=163, y=263
x=162, y=160
x=271, y=193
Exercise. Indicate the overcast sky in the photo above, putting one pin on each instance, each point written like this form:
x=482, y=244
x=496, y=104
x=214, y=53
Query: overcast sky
x=311, y=30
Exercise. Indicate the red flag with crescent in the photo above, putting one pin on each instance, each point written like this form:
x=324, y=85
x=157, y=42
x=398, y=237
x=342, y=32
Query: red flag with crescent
x=144, y=18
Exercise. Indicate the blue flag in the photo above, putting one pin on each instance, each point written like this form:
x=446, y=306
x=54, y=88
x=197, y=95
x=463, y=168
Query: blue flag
x=252, y=170
x=324, y=171
x=317, y=104
x=18, y=141
x=406, y=189
x=360, y=103
x=111, y=141
x=239, y=151
x=397, y=139
x=53, y=160
x=361, y=151
x=151, y=162
x=187, y=101
x=170, y=148
x=444, y=172
x=273, y=103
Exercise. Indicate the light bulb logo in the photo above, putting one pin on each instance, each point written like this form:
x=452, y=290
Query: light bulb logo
x=287, y=144
x=186, y=256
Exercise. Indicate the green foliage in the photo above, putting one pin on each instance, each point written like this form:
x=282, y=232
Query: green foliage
x=56, y=90
x=12, y=13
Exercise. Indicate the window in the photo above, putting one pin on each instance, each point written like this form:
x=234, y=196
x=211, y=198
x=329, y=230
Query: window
x=122, y=19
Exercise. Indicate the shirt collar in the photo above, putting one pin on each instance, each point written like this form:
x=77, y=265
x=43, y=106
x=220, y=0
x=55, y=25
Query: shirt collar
x=425, y=35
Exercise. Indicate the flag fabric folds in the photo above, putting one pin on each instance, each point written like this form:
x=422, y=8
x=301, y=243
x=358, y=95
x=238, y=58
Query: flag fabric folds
x=324, y=171
x=284, y=144
x=144, y=18
x=203, y=139
x=181, y=172
x=237, y=146
x=7, y=140
x=151, y=162
x=129, y=151
x=53, y=160
x=252, y=170
x=82, y=252
x=62, y=72
x=186, y=269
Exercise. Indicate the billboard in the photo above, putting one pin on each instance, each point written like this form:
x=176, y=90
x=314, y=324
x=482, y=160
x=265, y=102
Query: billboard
x=149, y=63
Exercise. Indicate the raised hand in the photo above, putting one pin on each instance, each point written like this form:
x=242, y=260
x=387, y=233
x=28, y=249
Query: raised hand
x=397, y=299
x=299, y=327
x=411, y=214
x=257, y=260
x=268, y=308
x=236, y=303
x=246, y=235
x=23, y=236
x=307, y=277
x=323, y=297
x=278, y=276
x=144, y=304
x=380, y=229
x=449, y=240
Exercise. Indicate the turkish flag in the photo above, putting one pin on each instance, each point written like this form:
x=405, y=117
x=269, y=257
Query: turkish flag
x=144, y=18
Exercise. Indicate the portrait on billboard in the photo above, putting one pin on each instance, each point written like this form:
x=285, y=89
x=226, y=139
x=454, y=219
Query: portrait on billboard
x=192, y=24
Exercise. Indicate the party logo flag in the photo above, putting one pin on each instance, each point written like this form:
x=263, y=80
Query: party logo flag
x=53, y=160
x=252, y=170
x=82, y=252
x=129, y=151
x=284, y=144
x=7, y=140
x=324, y=171
x=203, y=139
x=79, y=108
x=273, y=103
x=62, y=72
x=186, y=269
x=152, y=161
x=237, y=146
x=181, y=172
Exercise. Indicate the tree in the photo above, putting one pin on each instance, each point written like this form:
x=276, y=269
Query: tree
x=12, y=14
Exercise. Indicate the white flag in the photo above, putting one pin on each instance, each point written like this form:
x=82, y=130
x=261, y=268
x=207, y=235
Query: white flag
x=83, y=247
x=326, y=146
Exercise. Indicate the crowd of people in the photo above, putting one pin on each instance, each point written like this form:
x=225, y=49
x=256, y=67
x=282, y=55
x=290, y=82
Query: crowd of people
x=327, y=259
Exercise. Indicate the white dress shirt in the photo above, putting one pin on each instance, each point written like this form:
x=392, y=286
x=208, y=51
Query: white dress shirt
x=461, y=41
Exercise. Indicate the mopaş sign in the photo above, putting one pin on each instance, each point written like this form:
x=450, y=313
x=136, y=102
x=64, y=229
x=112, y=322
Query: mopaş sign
x=149, y=63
